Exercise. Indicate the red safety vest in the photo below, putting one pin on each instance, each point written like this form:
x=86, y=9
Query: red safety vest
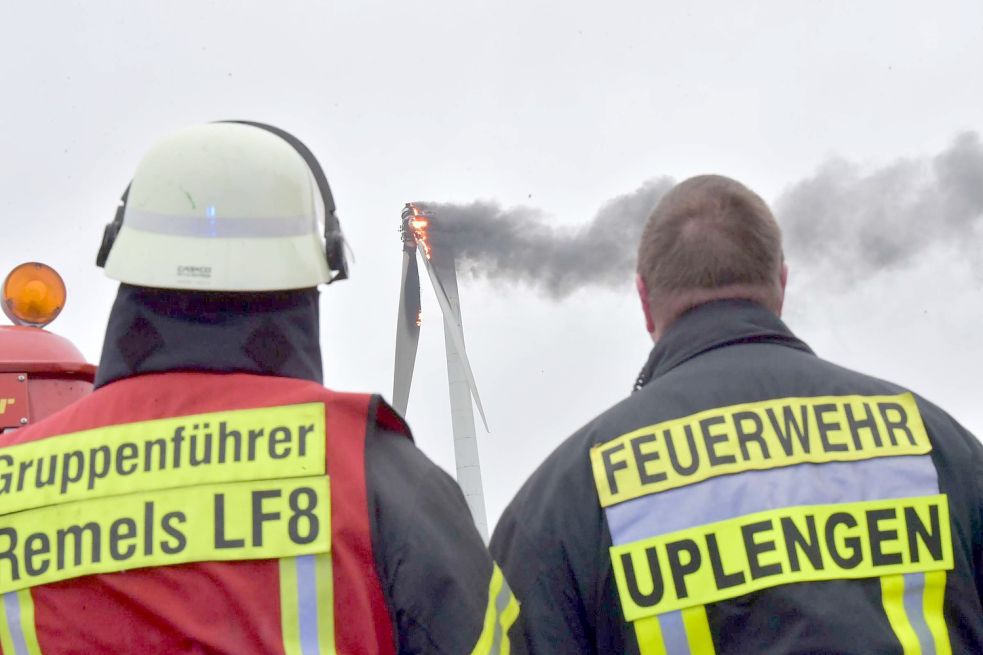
x=199, y=467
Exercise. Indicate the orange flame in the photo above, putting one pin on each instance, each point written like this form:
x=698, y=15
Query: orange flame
x=419, y=226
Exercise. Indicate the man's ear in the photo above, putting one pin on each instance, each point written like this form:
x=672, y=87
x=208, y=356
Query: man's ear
x=783, y=279
x=643, y=295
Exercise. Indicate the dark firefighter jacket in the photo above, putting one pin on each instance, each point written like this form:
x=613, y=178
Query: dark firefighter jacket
x=751, y=498
x=407, y=571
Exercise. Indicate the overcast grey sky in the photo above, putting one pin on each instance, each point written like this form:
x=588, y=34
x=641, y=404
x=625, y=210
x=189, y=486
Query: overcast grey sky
x=556, y=107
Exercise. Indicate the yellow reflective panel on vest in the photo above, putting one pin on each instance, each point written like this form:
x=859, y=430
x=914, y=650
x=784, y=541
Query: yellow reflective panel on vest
x=731, y=558
x=307, y=605
x=263, y=519
x=18, y=631
x=756, y=436
x=231, y=446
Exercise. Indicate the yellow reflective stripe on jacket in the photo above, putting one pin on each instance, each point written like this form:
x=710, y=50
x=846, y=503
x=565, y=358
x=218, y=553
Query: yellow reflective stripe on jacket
x=698, y=630
x=683, y=632
x=501, y=612
x=307, y=605
x=18, y=633
x=913, y=605
x=892, y=596
x=648, y=632
x=933, y=606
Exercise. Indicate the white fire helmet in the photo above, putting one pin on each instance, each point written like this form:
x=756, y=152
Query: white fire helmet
x=225, y=207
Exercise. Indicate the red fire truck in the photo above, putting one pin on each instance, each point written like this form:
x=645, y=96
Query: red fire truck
x=40, y=372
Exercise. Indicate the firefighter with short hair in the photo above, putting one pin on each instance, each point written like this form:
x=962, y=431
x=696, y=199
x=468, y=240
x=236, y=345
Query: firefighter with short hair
x=211, y=496
x=748, y=497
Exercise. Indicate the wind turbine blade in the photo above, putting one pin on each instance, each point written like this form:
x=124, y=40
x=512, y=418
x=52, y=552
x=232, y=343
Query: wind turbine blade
x=452, y=319
x=407, y=332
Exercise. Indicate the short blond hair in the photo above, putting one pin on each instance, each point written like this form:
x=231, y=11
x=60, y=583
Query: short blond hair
x=710, y=232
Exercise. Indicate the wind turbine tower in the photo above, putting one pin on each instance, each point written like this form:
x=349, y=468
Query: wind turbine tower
x=442, y=270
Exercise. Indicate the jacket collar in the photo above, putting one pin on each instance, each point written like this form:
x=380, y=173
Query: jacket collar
x=155, y=330
x=714, y=325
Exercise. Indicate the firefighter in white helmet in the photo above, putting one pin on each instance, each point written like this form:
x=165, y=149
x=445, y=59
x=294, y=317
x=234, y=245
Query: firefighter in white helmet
x=211, y=495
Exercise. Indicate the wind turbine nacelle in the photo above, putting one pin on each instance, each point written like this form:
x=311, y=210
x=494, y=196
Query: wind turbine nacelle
x=415, y=222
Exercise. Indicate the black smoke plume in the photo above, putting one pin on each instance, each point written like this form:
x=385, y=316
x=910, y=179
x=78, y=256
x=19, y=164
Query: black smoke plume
x=842, y=222
x=519, y=244
x=846, y=222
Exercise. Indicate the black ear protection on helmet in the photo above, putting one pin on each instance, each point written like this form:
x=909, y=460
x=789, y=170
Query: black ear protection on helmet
x=112, y=230
x=334, y=240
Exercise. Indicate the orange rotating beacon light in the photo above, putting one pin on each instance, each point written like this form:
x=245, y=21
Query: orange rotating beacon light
x=40, y=372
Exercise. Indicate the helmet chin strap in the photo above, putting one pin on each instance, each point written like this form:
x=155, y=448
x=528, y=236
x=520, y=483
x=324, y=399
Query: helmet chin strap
x=334, y=240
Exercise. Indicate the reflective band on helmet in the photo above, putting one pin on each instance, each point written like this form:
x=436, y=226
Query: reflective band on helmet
x=756, y=436
x=731, y=558
x=220, y=227
x=263, y=519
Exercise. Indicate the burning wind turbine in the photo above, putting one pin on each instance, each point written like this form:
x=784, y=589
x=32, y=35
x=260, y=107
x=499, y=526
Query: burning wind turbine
x=441, y=267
